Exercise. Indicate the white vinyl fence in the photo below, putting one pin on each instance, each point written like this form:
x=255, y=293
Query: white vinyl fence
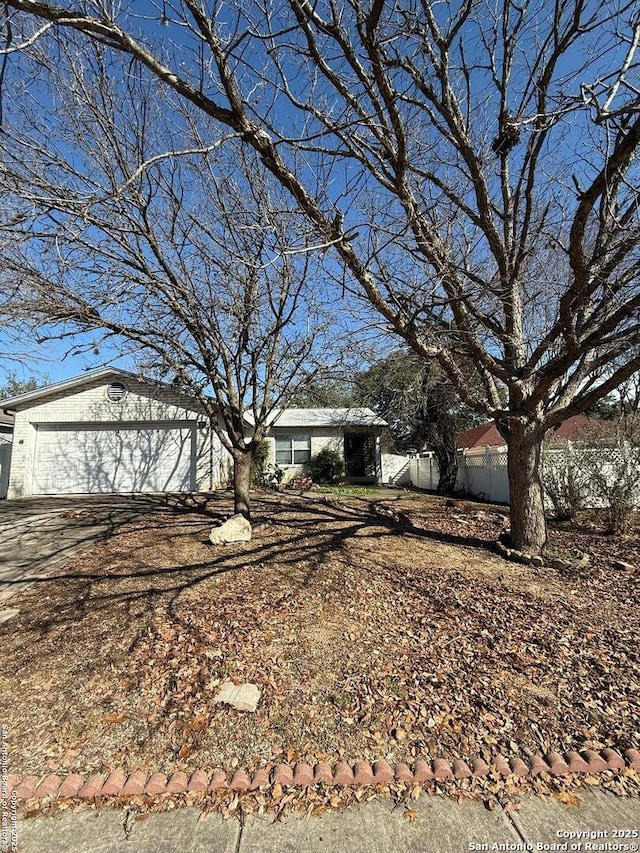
x=483, y=474
x=396, y=469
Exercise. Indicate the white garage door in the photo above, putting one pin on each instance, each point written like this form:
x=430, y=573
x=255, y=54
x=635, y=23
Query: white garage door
x=107, y=458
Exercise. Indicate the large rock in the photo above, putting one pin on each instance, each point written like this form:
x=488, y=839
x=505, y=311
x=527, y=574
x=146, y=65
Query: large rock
x=234, y=529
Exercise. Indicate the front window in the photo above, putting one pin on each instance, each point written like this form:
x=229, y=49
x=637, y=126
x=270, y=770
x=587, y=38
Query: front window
x=293, y=449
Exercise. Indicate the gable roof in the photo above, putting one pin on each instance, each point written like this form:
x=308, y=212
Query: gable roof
x=78, y=382
x=487, y=434
x=480, y=436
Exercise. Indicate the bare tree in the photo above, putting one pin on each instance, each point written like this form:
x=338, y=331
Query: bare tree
x=131, y=231
x=473, y=165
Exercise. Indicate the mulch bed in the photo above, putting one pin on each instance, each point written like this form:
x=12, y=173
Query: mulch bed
x=368, y=637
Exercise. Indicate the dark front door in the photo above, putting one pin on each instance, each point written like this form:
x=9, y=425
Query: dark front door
x=360, y=456
x=354, y=455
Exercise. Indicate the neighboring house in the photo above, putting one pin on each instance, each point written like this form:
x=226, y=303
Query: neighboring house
x=6, y=427
x=110, y=431
x=487, y=435
x=296, y=435
x=6, y=435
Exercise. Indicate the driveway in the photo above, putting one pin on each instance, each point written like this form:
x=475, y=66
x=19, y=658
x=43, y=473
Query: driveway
x=36, y=533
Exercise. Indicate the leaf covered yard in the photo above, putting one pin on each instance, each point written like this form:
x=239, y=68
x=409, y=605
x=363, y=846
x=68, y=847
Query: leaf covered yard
x=368, y=637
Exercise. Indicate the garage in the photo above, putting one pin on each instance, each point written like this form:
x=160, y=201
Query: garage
x=108, y=458
x=111, y=432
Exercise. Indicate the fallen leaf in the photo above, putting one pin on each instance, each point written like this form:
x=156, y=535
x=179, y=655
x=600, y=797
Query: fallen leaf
x=114, y=718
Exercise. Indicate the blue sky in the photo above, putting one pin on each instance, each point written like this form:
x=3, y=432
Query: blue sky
x=51, y=362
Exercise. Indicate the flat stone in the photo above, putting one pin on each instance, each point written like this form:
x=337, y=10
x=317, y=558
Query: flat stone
x=243, y=697
x=5, y=615
x=234, y=529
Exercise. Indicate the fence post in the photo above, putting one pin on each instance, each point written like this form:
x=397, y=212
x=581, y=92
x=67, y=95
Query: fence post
x=489, y=465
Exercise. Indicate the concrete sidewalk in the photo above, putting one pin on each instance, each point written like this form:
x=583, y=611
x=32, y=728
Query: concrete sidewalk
x=440, y=826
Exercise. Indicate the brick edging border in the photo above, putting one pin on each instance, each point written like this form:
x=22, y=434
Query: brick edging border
x=119, y=784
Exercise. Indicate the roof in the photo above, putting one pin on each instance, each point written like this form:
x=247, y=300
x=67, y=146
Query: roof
x=6, y=422
x=480, y=436
x=487, y=434
x=572, y=427
x=73, y=383
x=353, y=417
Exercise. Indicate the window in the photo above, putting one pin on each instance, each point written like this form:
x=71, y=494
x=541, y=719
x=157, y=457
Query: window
x=292, y=449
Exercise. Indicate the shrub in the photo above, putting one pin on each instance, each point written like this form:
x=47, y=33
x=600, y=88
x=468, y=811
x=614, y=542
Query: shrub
x=259, y=462
x=262, y=475
x=326, y=466
x=565, y=480
x=615, y=472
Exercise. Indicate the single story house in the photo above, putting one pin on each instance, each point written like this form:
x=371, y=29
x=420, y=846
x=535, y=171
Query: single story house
x=6, y=436
x=110, y=431
x=295, y=435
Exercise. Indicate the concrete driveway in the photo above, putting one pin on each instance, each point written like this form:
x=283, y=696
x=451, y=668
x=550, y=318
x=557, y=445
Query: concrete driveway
x=37, y=533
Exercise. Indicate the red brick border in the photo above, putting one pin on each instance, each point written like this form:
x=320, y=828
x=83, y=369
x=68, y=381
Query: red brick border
x=141, y=783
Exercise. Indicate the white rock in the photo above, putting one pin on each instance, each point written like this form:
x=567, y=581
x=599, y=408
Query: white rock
x=243, y=697
x=235, y=529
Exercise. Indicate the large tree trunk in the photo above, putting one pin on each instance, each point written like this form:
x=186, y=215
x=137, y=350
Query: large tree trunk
x=528, y=523
x=448, y=470
x=242, y=482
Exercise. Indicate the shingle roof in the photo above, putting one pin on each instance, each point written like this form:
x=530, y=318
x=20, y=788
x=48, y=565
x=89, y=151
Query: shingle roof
x=487, y=434
x=480, y=436
x=327, y=417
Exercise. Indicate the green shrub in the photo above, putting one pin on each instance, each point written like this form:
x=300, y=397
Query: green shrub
x=326, y=466
x=264, y=476
x=259, y=462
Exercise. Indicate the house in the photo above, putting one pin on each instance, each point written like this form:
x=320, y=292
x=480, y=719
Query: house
x=487, y=435
x=110, y=431
x=6, y=427
x=6, y=435
x=295, y=435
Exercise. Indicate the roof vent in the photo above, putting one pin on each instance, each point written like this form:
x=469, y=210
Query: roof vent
x=116, y=392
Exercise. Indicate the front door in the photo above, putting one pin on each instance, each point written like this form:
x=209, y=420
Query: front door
x=360, y=456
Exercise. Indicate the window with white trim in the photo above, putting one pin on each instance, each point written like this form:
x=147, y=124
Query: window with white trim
x=293, y=449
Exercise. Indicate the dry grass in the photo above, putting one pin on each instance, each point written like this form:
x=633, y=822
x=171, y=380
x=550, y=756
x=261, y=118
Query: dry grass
x=366, y=638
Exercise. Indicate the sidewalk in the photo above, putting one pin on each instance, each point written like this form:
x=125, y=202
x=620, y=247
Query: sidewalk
x=439, y=826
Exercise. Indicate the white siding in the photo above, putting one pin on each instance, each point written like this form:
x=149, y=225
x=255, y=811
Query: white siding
x=88, y=406
x=331, y=437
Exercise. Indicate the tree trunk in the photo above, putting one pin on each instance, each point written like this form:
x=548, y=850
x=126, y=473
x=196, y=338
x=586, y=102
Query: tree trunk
x=242, y=482
x=448, y=471
x=528, y=522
